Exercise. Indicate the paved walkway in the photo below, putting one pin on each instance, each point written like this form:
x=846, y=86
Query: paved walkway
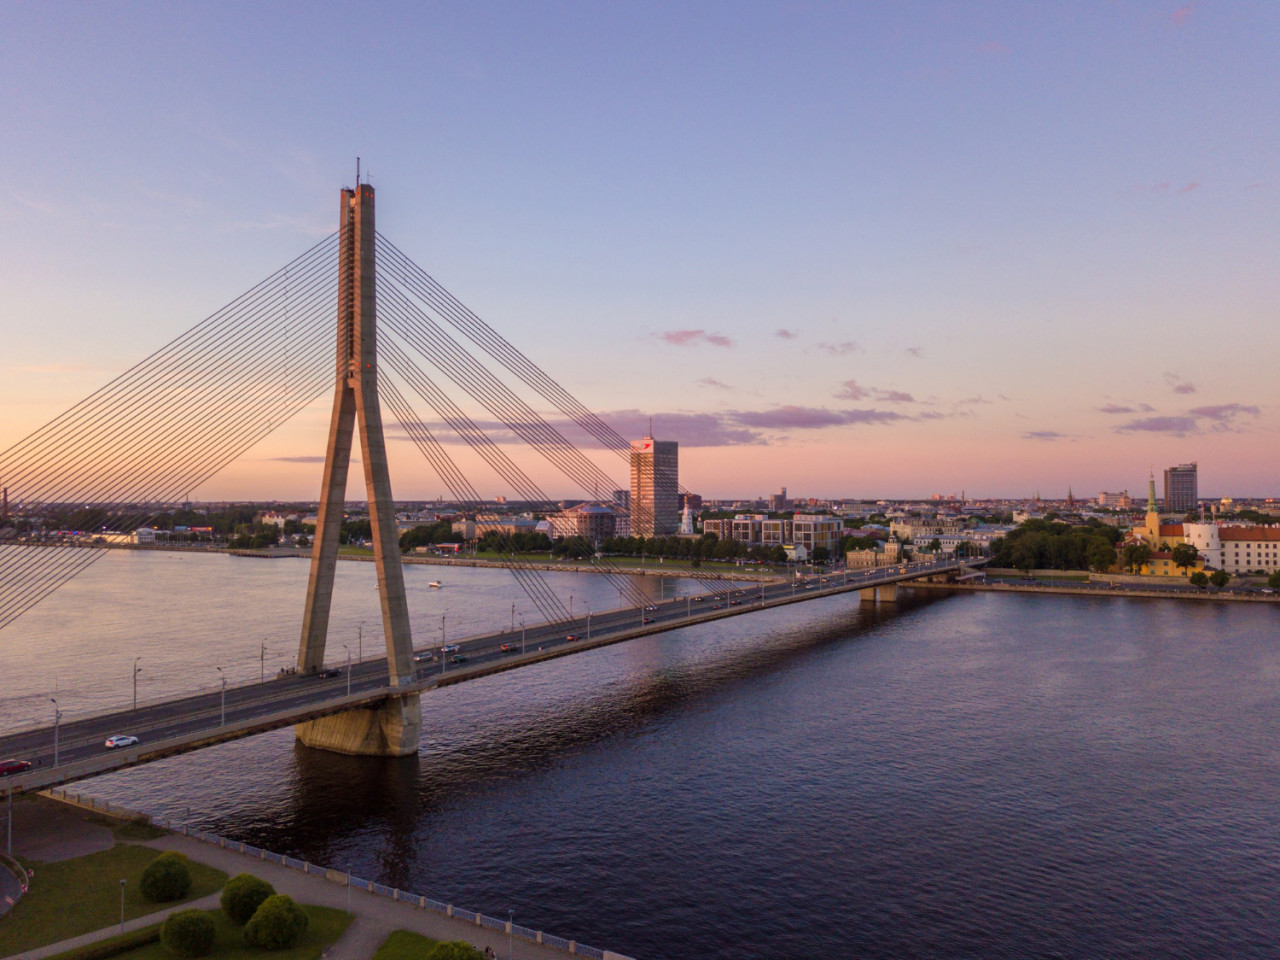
x=375, y=917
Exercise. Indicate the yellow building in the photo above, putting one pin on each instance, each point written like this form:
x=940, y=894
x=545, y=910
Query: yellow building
x=1161, y=538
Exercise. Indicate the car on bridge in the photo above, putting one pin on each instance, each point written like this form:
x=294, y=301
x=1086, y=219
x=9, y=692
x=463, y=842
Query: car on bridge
x=423, y=656
x=450, y=648
x=646, y=619
x=331, y=672
x=8, y=767
x=121, y=740
x=457, y=658
x=509, y=648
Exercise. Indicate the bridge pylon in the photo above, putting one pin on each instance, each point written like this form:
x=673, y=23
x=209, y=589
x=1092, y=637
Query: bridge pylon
x=392, y=729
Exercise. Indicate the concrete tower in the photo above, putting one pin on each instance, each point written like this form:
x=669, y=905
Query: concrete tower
x=393, y=728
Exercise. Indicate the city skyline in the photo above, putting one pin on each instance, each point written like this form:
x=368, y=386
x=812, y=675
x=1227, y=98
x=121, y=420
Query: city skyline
x=887, y=253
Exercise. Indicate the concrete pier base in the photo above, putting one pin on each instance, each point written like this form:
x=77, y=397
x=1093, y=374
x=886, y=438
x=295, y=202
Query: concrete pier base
x=886, y=594
x=391, y=730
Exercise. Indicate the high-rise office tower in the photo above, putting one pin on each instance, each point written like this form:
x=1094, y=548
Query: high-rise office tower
x=655, y=487
x=1181, y=488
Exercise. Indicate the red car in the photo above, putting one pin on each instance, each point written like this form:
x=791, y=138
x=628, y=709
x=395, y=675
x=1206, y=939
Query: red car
x=571, y=637
x=8, y=767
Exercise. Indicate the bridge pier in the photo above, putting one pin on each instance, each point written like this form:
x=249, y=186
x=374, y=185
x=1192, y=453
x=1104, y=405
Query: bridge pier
x=883, y=594
x=389, y=730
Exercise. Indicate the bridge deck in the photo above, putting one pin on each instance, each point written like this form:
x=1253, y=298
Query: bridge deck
x=192, y=722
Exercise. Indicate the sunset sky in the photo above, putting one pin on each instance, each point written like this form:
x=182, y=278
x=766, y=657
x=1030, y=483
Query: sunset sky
x=855, y=249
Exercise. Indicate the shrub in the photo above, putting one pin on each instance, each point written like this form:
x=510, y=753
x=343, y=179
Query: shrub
x=166, y=878
x=188, y=933
x=453, y=950
x=277, y=923
x=115, y=946
x=243, y=895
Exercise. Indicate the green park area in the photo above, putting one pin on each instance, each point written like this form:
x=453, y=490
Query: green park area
x=324, y=926
x=403, y=945
x=72, y=897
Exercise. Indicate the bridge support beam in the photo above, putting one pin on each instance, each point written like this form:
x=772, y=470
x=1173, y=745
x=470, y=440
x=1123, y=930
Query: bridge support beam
x=391, y=730
x=885, y=594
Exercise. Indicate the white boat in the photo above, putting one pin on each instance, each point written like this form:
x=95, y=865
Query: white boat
x=434, y=584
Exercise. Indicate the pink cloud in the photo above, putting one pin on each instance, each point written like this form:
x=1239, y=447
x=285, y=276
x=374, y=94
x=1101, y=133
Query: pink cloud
x=894, y=396
x=807, y=418
x=1224, y=412
x=713, y=382
x=916, y=352
x=1178, y=426
x=849, y=390
x=689, y=338
x=1193, y=185
x=1044, y=435
x=1179, y=384
x=785, y=334
x=840, y=349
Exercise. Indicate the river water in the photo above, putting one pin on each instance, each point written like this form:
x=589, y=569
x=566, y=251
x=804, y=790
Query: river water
x=972, y=776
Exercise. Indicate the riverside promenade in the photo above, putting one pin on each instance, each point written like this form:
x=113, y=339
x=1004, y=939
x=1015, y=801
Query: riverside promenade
x=374, y=917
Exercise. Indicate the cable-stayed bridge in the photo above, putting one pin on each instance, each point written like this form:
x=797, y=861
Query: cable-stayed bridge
x=167, y=425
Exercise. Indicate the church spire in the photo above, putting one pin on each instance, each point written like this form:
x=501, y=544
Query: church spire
x=1151, y=495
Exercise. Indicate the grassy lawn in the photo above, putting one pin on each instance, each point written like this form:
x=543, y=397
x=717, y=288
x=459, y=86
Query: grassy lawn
x=325, y=927
x=77, y=896
x=403, y=945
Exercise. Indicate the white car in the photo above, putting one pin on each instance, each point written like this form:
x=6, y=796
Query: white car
x=121, y=741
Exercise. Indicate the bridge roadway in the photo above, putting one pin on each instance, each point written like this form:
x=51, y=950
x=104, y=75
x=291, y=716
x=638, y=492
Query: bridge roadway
x=189, y=723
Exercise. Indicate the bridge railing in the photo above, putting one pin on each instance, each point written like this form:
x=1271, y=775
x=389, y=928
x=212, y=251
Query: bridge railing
x=341, y=877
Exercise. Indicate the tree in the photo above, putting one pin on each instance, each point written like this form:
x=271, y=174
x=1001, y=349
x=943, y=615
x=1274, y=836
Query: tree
x=820, y=555
x=243, y=895
x=1185, y=555
x=279, y=922
x=188, y=933
x=1199, y=579
x=166, y=878
x=1135, y=556
x=1100, y=555
x=935, y=545
x=1273, y=581
x=1219, y=578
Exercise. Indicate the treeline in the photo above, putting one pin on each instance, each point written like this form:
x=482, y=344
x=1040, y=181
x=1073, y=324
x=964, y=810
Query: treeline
x=1047, y=545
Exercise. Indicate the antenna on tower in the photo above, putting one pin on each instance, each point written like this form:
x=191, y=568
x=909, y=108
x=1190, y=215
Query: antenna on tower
x=357, y=171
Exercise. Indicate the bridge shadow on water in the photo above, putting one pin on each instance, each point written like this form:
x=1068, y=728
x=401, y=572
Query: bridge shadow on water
x=336, y=802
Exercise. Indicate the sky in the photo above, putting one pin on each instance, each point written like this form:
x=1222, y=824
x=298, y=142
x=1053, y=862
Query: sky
x=860, y=249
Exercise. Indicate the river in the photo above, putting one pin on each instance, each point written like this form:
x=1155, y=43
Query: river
x=971, y=776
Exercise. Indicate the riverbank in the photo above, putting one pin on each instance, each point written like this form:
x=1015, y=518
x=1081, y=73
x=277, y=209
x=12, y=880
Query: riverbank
x=1103, y=589
x=73, y=824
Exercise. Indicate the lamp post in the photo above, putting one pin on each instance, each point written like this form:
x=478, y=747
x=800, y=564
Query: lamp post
x=511, y=949
x=262, y=662
x=513, y=618
x=348, y=649
x=223, y=721
x=522, y=634
x=360, y=642
x=57, y=716
x=8, y=824
x=571, y=606
x=122, y=905
x=348, y=889
x=588, y=621
x=136, y=670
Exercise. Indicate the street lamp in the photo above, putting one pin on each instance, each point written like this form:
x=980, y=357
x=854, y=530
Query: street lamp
x=511, y=950
x=122, y=906
x=360, y=641
x=136, y=670
x=571, y=606
x=522, y=635
x=348, y=649
x=513, y=617
x=223, y=721
x=262, y=662
x=588, y=621
x=57, y=716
